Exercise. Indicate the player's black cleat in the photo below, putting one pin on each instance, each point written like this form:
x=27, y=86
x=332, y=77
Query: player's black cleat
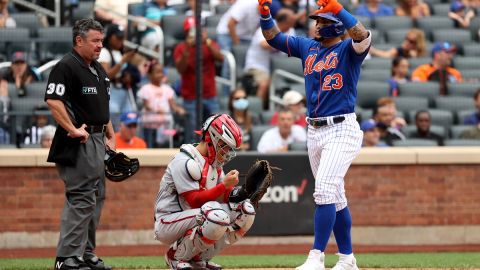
x=70, y=263
x=95, y=263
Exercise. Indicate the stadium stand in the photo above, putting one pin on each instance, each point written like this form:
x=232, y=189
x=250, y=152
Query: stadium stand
x=415, y=143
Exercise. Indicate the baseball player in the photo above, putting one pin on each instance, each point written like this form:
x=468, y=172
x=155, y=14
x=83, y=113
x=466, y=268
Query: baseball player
x=191, y=210
x=331, y=67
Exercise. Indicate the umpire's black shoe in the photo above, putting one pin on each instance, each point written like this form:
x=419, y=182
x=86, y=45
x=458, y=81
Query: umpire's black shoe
x=95, y=263
x=70, y=263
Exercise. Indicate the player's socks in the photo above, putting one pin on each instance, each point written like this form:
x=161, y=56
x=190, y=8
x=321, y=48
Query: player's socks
x=323, y=222
x=341, y=230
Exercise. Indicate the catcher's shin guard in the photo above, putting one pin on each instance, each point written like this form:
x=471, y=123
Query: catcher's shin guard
x=243, y=222
x=214, y=223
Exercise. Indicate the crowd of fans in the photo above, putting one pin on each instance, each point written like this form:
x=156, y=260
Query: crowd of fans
x=153, y=108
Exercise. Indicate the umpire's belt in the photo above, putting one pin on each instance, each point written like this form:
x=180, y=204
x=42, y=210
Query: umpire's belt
x=96, y=129
x=316, y=123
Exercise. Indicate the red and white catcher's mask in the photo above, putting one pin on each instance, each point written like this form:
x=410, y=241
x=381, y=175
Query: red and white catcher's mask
x=223, y=137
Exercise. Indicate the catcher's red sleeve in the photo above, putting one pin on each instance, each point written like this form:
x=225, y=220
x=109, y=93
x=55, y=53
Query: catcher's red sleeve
x=196, y=198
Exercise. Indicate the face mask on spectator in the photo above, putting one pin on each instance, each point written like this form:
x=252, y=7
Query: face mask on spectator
x=240, y=104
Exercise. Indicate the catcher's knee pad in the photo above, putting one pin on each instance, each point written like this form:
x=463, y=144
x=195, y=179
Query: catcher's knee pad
x=243, y=222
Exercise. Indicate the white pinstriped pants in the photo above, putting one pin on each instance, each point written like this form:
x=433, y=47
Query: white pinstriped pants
x=331, y=150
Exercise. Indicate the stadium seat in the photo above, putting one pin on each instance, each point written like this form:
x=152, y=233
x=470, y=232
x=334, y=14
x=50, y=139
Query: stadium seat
x=406, y=104
x=440, y=9
x=222, y=8
x=474, y=26
x=461, y=115
x=54, y=41
x=255, y=104
x=370, y=91
x=455, y=36
x=256, y=134
x=453, y=103
x=14, y=39
x=439, y=130
x=239, y=53
x=438, y=117
x=470, y=75
x=471, y=49
x=212, y=20
x=415, y=143
x=289, y=64
x=36, y=90
x=84, y=10
x=428, y=90
x=463, y=89
x=27, y=20
x=377, y=63
x=173, y=32
x=266, y=117
x=380, y=75
x=365, y=20
x=462, y=142
x=456, y=130
x=430, y=23
x=297, y=146
x=387, y=23
x=377, y=36
x=467, y=62
x=396, y=36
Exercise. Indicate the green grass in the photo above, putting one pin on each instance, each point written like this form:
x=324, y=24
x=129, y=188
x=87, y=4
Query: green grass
x=370, y=260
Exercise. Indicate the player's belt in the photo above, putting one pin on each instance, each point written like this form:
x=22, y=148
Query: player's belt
x=96, y=129
x=316, y=123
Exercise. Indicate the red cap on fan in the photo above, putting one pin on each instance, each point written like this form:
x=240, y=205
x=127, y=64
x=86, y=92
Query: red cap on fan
x=188, y=23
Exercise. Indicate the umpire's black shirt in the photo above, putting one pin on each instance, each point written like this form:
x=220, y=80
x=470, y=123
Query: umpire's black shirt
x=84, y=93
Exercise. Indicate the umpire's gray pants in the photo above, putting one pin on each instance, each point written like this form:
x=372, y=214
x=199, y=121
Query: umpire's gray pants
x=84, y=197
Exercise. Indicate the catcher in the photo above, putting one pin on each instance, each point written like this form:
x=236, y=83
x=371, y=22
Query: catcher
x=199, y=209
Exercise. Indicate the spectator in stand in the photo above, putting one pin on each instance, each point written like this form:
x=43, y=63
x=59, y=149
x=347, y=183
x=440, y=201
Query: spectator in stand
x=126, y=137
x=423, y=123
x=40, y=120
x=460, y=14
x=384, y=117
x=294, y=102
x=413, y=8
x=119, y=14
x=398, y=122
x=400, y=67
x=5, y=20
x=158, y=107
x=413, y=46
x=154, y=11
x=439, y=70
x=371, y=134
x=122, y=94
x=474, y=119
x=238, y=109
x=184, y=57
x=260, y=54
x=19, y=73
x=112, y=58
x=374, y=8
x=47, y=136
x=278, y=139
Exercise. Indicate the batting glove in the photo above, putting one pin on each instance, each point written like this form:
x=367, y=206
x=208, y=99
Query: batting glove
x=264, y=7
x=332, y=6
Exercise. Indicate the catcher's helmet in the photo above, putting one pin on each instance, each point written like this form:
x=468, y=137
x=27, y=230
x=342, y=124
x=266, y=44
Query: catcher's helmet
x=223, y=136
x=118, y=166
x=330, y=31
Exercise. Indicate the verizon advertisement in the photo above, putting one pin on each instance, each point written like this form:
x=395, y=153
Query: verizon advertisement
x=287, y=208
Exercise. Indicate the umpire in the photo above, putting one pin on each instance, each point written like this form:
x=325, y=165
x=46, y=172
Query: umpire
x=77, y=94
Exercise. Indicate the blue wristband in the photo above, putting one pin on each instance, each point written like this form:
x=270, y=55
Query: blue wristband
x=347, y=19
x=266, y=23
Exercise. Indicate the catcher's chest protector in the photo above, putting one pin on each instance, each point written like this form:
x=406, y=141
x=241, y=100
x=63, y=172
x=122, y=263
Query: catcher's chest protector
x=198, y=169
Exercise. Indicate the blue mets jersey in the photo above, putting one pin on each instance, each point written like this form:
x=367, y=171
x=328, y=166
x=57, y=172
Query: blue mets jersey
x=331, y=74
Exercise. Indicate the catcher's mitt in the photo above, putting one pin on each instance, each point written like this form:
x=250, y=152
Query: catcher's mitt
x=119, y=167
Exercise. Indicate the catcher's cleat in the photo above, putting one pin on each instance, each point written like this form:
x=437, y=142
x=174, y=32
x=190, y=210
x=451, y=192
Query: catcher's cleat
x=70, y=263
x=206, y=265
x=95, y=263
x=315, y=261
x=174, y=264
x=346, y=262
